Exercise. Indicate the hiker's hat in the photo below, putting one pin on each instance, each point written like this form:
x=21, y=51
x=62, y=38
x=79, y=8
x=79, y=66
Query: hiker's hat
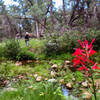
x=26, y=32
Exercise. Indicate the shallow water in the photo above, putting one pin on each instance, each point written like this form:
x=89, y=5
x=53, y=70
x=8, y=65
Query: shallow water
x=65, y=91
x=66, y=94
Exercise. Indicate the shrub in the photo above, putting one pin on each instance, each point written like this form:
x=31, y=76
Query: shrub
x=11, y=49
x=79, y=76
x=51, y=46
x=72, y=43
x=94, y=34
x=63, y=44
x=1, y=51
x=97, y=42
x=25, y=55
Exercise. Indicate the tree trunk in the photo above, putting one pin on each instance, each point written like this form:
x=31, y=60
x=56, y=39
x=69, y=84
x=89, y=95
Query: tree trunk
x=9, y=29
x=73, y=11
x=95, y=10
x=37, y=30
x=51, y=14
x=64, y=12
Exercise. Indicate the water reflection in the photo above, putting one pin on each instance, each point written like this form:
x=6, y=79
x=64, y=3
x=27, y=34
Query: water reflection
x=65, y=91
x=66, y=94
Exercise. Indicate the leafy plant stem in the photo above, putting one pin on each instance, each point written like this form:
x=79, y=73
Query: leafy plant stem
x=93, y=84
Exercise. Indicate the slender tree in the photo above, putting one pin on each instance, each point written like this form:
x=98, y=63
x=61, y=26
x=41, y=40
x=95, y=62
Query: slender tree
x=64, y=12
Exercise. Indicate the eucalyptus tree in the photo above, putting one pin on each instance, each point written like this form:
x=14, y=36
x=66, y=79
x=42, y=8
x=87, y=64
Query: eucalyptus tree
x=64, y=11
x=84, y=10
x=17, y=12
x=9, y=29
x=36, y=10
x=1, y=6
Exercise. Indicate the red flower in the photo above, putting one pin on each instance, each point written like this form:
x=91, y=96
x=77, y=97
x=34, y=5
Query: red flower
x=82, y=56
x=82, y=68
x=95, y=66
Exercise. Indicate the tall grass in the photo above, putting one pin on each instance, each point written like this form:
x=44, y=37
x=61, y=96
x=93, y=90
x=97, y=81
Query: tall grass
x=38, y=91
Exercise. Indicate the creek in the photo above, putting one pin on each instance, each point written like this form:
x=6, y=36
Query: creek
x=66, y=93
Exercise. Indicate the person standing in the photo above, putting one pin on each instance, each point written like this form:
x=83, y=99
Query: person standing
x=27, y=39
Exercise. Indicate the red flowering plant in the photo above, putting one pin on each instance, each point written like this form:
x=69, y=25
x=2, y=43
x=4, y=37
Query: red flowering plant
x=83, y=57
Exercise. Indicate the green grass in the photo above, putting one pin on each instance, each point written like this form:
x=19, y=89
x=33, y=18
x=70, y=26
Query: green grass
x=33, y=43
x=42, y=66
x=36, y=49
x=98, y=57
x=38, y=91
x=10, y=69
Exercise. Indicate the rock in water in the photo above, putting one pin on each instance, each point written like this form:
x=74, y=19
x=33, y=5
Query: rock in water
x=52, y=73
x=35, y=75
x=67, y=62
x=38, y=79
x=98, y=91
x=69, y=85
x=46, y=79
x=61, y=81
x=52, y=80
x=87, y=95
x=85, y=84
x=54, y=66
x=18, y=63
